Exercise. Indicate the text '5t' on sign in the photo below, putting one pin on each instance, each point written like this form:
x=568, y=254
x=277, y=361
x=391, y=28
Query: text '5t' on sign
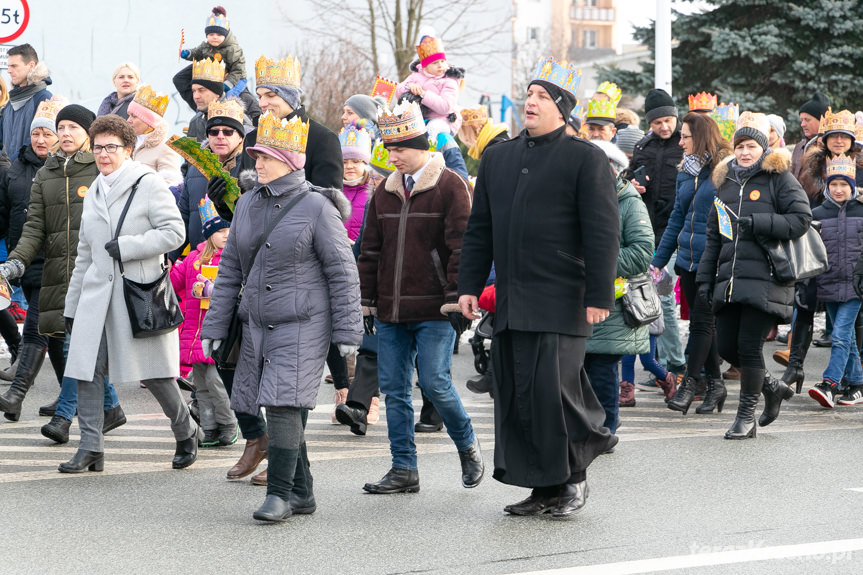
x=14, y=17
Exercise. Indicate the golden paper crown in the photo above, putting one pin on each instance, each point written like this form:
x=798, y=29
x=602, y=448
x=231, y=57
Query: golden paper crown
x=754, y=120
x=842, y=122
x=290, y=135
x=561, y=75
x=430, y=49
x=858, y=133
x=611, y=90
x=384, y=88
x=403, y=123
x=702, y=101
x=841, y=165
x=231, y=108
x=601, y=110
x=474, y=116
x=148, y=98
x=285, y=72
x=48, y=109
x=209, y=69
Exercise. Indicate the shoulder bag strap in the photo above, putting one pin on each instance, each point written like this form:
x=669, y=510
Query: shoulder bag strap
x=123, y=214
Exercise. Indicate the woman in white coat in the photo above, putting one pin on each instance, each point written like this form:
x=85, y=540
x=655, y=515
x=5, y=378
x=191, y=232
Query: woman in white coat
x=153, y=226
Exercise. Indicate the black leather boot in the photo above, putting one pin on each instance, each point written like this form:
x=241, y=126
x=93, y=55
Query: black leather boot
x=30, y=358
x=281, y=471
x=114, y=418
x=751, y=382
x=187, y=451
x=353, y=415
x=57, y=429
x=801, y=338
x=49, y=409
x=83, y=459
x=684, y=396
x=396, y=481
x=715, y=397
x=472, y=466
x=774, y=392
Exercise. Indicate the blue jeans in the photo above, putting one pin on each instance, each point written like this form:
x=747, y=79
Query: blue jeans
x=430, y=345
x=844, y=355
x=602, y=371
x=67, y=403
x=648, y=362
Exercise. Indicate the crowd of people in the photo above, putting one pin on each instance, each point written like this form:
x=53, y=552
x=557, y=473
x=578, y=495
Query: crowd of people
x=371, y=250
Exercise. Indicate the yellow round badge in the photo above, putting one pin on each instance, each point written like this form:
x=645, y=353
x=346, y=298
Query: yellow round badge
x=82, y=191
x=754, y=195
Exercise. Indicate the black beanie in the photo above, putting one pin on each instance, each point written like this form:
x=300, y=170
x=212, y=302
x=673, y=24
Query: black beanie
x=420, y=142
x=226, y=122
x=817, y=106
x=564, y=100
x=78, y=114
x=217, y=88
x=658, y=104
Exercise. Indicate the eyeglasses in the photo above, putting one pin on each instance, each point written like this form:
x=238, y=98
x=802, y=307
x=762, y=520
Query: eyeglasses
x=227, y=132
x=110, y=148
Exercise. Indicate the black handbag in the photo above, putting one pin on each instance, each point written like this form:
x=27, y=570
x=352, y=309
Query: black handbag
x=641, y=303
x=228, y=354
x=153, y=308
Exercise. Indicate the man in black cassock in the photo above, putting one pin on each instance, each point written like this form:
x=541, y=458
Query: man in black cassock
x=545, y=211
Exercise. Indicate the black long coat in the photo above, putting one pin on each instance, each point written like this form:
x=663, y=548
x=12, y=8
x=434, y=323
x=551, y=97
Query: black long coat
x=545, y=210
x=15, y=186
x=660, y=159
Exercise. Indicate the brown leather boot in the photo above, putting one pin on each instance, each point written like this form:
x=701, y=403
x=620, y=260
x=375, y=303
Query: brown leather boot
x=260, y=478
x=253, y=454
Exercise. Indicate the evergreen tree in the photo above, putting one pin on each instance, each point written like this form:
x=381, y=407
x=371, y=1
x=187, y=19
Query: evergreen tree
x=766, y=55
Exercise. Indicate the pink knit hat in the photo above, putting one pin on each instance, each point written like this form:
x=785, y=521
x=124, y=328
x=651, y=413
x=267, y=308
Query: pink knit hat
x=295, y=160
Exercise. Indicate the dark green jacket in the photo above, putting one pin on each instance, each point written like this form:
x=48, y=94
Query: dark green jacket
x=231, y=54
x=613, y=336
x=53, y=220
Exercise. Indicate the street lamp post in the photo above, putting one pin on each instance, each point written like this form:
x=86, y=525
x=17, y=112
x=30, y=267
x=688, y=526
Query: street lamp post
x=663, y=45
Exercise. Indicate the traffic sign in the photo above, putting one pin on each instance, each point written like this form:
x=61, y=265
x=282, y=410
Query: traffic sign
x=14, y=17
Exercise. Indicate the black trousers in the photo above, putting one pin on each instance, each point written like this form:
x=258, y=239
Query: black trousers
x=251, y=426
x=740, y=332
x=703, y=352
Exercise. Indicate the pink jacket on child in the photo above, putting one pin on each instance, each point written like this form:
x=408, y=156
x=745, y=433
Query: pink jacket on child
x=440, y=95
x=183, y=276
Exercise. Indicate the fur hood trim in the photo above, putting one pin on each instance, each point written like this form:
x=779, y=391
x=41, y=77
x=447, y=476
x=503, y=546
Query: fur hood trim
x=429, y=178
x=247, y=179
x=815, y=162
x=40, y=73
x=157, y=136
x=776, y=162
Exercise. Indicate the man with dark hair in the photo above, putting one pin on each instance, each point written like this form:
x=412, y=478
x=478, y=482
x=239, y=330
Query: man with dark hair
x=30, y=80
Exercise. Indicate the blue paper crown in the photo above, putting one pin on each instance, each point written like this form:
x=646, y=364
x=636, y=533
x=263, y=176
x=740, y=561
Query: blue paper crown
x=351, y=137
x=561, y=75
x=207, y=210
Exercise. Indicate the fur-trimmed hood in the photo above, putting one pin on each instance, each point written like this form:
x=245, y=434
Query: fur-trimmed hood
x=39, y=73
x=815, y=163
x=157, y=136
x=777, y=161
x=248, y=180
x=428, y=179
x=452, y=71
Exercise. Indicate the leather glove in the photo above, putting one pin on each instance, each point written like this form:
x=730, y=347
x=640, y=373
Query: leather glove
x=705, y=292
x=68, y=321
x=11, y=269
x=184, y=54
x=744, y=226
x=458, y=321
x=113, y=249
x=369, y=314
x=216, y=190
x=347, y=349
x=208, y=346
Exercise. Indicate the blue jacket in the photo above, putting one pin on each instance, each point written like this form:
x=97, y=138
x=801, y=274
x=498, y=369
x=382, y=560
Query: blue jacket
x=687, y=224
x=15, y=124
x=842, y=232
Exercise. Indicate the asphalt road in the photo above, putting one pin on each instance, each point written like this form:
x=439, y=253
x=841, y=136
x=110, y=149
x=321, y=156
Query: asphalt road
x=674, y=498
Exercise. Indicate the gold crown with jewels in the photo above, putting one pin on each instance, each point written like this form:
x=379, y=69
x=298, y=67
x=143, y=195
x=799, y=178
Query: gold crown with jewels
x=611, y=90
x=842, y=122
x=285, y=72
x=49, y=109
x=209, y=70
x=841, y=165
x=404, y=122
x=702, y=102
x=561, y=74
x=290, y=135
x=474, y=116
x=430, y=47
x=148, y=98
x=231, y=108
x=602, y=110
x=754, y=120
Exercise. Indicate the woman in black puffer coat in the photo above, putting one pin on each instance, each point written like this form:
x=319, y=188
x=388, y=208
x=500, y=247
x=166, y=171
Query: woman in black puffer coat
x=763, y=202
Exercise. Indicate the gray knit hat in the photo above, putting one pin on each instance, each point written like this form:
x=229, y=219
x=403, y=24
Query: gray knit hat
x=628, y=137
x=778, y=124
x=364, y=106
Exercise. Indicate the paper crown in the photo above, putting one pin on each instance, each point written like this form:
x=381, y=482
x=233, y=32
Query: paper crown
x=841, y=165
x=474, y=116
x=209, y=70
x=207, y=210
x=430, y=49
x=562, y=75
x=289, y=135
x=384, y=88
x=285, y=72
x=601, y=110
x=381, y=157
x=404, y=122
x=356, y=138
x=702, y=102
x=842, y=122
x=578, y=112
x=48, y=109
x=148, y=98
x=231, y=108
x=726, y=112
x=858, y=133
x=754, y=120
x=611, y=90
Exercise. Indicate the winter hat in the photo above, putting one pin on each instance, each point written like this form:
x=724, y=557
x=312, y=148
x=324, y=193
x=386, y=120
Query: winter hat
x=287, y=93
x=78, y=114
x=46, y=114
x=214, y=224
x=282, y=77
x=616, y=157
x=564, y=100
x=658, y=104
x=817, y=106
x=148, y=106
x=217, y=22
x=210, y=74
x=778, y=124
x=356, y=144
x=228, y=113
x=403, y=127
x=429, y=50
x=561, y=81
x=628, y=137
x=752, y=125
x=284, y=140
x=364, y=106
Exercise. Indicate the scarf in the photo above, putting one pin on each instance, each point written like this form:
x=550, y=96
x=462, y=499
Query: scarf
x=105, y=182
x=740, y=174
x=488, y=132
x=693, y=165
x=112, y=103
x=20, y=95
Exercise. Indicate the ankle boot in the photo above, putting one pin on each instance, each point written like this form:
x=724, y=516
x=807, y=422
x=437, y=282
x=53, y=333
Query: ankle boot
x=30, y=358
x=668, y=385
x=684, y=397
x=281, y=471
x=253, y=454
x=799, y=341
x=715, y=397
x=774, y=392
x=302, y=497
x=83, y=459
x=187, y=450
x=751, y=382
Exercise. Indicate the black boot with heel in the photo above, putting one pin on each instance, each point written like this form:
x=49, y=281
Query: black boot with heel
x=801, y=338
x=715, y=396
x=30, y=358
x=751, y=382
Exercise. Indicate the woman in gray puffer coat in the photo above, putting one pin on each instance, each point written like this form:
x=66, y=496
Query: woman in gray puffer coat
x=302, y=293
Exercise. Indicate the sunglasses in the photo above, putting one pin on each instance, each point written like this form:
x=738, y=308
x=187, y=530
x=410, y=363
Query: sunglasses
x=227, y=132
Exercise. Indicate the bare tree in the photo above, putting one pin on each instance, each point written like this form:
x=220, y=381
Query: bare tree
x=393, y=27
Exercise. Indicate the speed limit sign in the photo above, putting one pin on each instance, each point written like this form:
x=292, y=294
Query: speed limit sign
x=14, y=17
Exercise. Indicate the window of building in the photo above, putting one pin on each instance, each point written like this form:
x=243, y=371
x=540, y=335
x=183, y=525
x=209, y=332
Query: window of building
x=588, y=39
x=590, y=2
